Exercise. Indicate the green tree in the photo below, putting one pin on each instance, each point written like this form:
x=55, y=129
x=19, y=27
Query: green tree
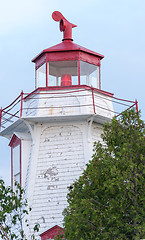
x=108, y=200
x=13, y=213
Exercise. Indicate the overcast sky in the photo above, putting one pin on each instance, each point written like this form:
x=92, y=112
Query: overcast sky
x=113, y=28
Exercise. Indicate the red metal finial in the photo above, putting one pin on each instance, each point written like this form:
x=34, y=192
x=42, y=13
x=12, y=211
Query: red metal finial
x=64, y=24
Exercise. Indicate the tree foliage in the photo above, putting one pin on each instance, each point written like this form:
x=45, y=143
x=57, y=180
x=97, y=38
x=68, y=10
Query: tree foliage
x=13, y=213
x=108, y=200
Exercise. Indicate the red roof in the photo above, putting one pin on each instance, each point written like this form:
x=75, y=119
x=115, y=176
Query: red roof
x=67, y=46
x=51, y=233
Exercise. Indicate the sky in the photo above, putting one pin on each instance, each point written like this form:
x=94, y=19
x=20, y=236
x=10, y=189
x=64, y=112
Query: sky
x=113, y=28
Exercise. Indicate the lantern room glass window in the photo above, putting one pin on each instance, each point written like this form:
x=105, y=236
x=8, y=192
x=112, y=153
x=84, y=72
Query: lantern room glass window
x=89, y=74
x=41, y=76
x=62, y=73
x=67, y=73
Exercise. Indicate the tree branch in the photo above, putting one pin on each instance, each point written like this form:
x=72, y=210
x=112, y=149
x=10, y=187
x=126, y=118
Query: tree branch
x=4, y=232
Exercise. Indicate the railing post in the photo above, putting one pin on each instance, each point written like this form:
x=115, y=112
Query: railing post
x=93, y=101
x=79, y=72
x=21, y=111
x=0, y=118
x=136, y=104
x=100, y=76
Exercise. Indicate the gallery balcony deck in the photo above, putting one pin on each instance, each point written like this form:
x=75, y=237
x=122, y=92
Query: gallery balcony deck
x=55, y=104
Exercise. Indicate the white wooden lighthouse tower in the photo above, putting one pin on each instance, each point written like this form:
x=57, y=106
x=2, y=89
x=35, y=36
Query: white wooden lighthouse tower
x=53, y=139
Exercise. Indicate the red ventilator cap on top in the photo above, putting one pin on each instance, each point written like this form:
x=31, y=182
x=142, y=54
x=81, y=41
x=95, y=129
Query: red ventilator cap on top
x=64, y=24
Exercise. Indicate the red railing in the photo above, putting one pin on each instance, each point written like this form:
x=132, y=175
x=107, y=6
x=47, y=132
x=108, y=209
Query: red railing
x=14, y=111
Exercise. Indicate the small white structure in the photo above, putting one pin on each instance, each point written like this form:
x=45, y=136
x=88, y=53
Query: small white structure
x=53, y=139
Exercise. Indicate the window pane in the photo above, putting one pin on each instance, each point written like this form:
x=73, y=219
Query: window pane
x=41, y=76
x=89, y=74
x=16, y=160
x=17, y=178
x=63, y=73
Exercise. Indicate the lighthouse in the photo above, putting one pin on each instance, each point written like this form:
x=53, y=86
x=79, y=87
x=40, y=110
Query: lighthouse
x=52, y=139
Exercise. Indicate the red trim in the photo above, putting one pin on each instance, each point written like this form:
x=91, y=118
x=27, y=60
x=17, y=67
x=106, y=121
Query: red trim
x=51, y=233
x=12, y=102
x=126, y=110
x=14, y=115
x=79, y=73
x=12, y=167
x=20, y=163
x=21, y=103
x=15, y=141
x=46, y=75
x=68, y=56
x=64, y=47
x=125, y=100
x=42, y=60
x=85, y=87
x=136, y=104
x=100, y=77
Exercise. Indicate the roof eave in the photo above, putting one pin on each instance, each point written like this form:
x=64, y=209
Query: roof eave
x=66, y=50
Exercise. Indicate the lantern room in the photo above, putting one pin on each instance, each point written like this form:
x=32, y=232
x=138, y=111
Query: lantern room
x=67, y=64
